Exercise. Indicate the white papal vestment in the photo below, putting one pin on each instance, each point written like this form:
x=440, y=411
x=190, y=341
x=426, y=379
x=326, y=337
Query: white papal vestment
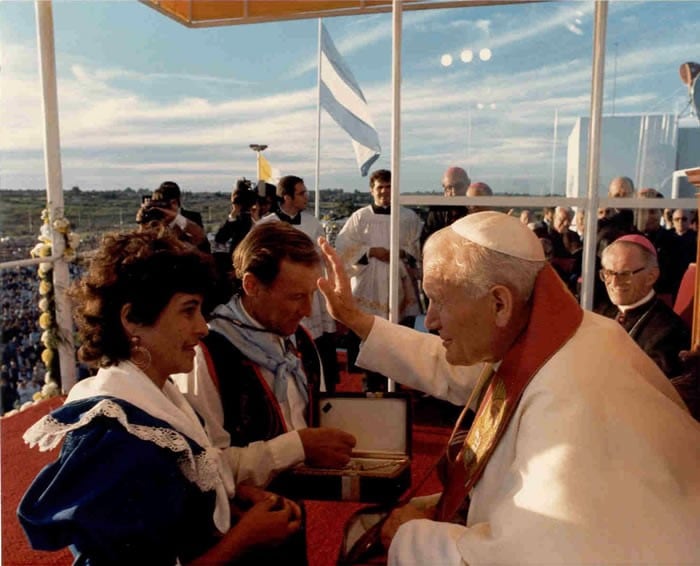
x=600, y=462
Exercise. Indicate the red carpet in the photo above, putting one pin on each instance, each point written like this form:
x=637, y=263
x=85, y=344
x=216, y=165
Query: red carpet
x=19, y=466
x=325, y=519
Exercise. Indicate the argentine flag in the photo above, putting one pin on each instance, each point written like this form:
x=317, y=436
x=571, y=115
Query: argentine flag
x=342, y=98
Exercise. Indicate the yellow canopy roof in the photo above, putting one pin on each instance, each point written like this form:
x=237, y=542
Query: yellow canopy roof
x=206, y=13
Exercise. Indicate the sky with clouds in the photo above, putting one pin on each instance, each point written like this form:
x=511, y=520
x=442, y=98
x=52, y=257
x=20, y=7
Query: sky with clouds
x=143, y=99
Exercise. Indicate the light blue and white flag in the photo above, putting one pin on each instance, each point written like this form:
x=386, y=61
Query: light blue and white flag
x=342, y=98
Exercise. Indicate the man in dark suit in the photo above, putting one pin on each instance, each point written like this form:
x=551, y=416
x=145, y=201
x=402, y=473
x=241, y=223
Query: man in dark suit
x=629, y=270
x=687, y=237
x=455, y=182
x=668, y=247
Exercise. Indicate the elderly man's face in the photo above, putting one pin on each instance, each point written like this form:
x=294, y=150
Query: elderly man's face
x=476, y=191
x=279, y=307
x=526, y=216
x=466, y=326
x=628, y=279
x=619, y=188
x=453, y=185
x=680, y=221
x=562, y=220
x=653, y=219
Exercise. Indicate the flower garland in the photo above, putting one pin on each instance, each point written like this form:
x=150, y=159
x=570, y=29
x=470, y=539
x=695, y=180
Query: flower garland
x=47, y=303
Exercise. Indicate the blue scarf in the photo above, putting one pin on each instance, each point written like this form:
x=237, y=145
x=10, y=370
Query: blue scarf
x=261, y=346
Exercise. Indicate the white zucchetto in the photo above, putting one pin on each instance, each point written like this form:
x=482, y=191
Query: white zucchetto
x=501, y=233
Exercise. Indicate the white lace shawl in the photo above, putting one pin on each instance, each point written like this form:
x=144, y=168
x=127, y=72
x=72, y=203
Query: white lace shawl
x=125, y=381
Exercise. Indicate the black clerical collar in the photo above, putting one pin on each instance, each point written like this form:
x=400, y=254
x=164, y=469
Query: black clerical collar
x=381, y=209
x=289, y=219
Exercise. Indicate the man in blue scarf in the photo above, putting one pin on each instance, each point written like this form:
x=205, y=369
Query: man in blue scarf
x=257, y=374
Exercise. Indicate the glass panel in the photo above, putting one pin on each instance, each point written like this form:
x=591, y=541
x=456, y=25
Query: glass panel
x=649, y=132
x=506, y=85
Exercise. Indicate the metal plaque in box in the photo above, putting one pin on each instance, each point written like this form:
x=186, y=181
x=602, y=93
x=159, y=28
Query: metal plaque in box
x=380, y=469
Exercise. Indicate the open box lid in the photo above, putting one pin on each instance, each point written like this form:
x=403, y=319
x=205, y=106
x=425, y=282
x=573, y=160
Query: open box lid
x=381, y=422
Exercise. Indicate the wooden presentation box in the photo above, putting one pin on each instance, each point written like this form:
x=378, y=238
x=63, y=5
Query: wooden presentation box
x=380, y=469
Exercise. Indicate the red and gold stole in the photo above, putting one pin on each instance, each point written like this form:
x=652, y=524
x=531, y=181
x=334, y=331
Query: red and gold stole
x=554, y=318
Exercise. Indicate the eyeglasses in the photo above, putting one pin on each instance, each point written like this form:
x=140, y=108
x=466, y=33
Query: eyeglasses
x=622, y=276
x=680, y=219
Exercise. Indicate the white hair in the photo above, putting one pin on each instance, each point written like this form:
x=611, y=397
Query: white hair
x=462, y=263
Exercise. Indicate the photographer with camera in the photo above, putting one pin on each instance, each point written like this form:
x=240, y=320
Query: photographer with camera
x=164, y=207
x=244, y=213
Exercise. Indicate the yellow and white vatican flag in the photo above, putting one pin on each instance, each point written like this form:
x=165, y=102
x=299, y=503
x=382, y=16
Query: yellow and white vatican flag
x=267, y=172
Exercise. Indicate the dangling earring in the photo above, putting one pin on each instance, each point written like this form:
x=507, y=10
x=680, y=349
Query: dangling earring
x=139, y=355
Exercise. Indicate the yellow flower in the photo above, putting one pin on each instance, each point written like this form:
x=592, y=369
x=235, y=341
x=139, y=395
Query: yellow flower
x=50, y=390
x=45, y=268
x=73, y=240
x=47, y=357
x=61, y=225
x=45, y=251
x=36, y=250
x=45, y=320
x=37, y=396
x=43, y=304
x=45, y=288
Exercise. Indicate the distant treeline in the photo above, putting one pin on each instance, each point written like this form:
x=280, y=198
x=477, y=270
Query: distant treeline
x=95, y=212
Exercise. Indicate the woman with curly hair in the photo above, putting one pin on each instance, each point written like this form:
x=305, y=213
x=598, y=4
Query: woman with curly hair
x=138, y=480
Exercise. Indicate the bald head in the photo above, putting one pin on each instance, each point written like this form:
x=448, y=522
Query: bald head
x=455, y=182
x=621, y=187
x=478, y=189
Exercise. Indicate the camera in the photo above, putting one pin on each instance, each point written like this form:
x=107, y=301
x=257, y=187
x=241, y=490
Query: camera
x=149, y=211
x=244, y=184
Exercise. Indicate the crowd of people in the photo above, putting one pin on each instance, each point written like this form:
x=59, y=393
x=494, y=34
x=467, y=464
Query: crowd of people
x=22, y=372
x=212, y=359
x=673, y=233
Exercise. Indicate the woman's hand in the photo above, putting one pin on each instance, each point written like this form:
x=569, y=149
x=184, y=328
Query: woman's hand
x=269, y=522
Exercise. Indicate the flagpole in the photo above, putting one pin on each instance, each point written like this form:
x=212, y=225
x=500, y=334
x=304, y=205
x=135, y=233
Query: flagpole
x=258, y=148
x=317, y=200
x=396, y=23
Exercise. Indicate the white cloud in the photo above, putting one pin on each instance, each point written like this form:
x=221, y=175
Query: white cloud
x=115, y=133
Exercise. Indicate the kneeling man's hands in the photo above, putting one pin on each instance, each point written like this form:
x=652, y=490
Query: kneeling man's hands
x=326, y=447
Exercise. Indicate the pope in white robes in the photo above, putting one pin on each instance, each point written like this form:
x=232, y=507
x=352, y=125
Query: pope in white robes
x=600, y=460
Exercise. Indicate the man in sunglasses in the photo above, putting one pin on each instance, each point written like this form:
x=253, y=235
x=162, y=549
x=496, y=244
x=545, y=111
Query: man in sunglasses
x=581, y=451
x=630, y=271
